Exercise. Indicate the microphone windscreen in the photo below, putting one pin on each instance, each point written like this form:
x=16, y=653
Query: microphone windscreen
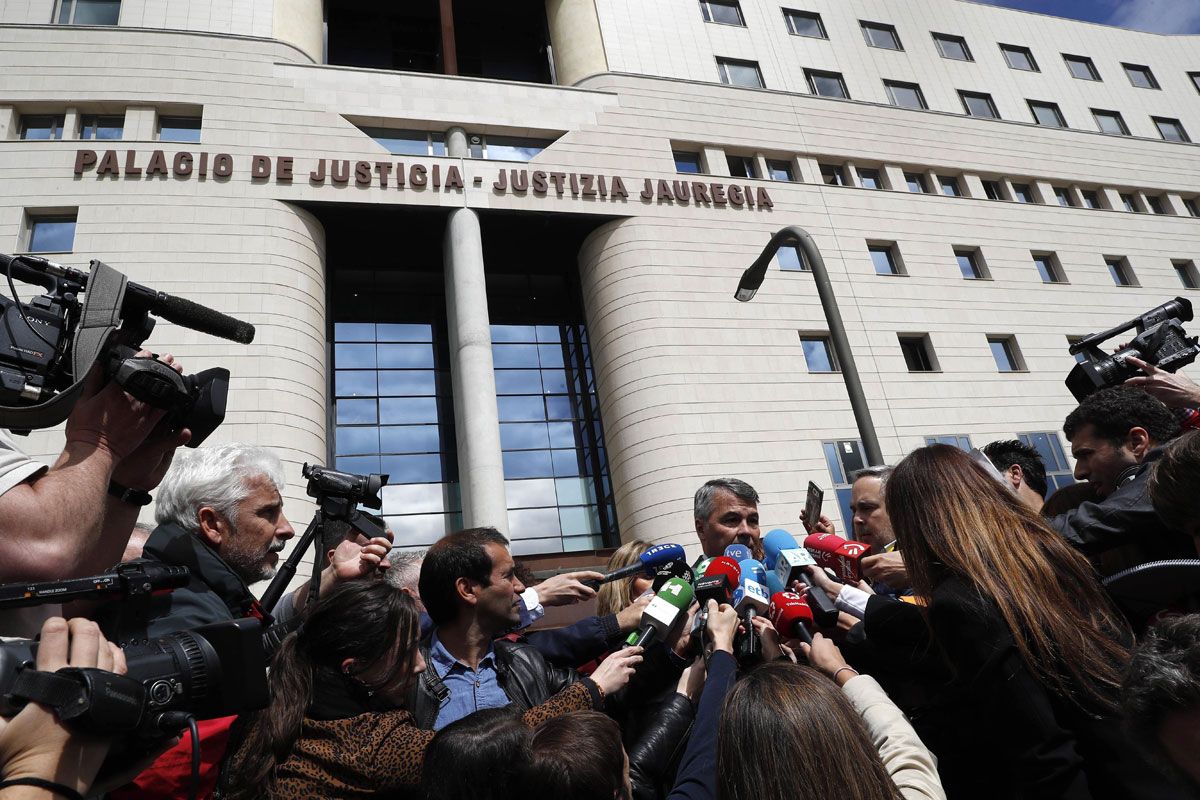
x=776, y=541
x=660, y=554
x=727, y=567
x=774, y=585
x=738, y=552
x=753, y=570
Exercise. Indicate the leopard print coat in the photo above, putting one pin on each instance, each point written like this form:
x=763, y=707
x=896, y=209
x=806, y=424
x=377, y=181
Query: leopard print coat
x=361, y=756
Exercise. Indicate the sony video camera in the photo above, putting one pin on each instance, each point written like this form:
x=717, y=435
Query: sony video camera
x=1160, y=340
x=48, y=345
x=212, y=671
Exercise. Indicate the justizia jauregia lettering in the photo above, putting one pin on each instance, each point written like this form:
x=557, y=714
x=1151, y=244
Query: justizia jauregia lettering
x=421, y=177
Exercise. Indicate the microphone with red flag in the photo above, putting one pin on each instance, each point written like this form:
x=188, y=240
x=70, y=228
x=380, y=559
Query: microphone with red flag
x=791, y=616
x=840, y=555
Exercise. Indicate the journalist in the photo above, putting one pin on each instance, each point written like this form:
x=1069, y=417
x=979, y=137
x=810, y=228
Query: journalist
x=1116, y=436
x=334, y=727
x=1174, y=486
x=469, y=588
x=1022, y=468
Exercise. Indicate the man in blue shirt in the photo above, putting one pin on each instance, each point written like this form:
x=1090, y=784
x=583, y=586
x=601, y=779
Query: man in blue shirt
x=470, y=589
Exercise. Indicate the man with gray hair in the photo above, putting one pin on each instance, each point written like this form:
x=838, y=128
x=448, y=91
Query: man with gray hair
x=726, y=512
x=220, y=514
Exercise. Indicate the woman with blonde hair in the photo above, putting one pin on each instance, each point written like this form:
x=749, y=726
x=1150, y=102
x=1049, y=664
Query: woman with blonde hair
x=1034, y=646
x=616, y=595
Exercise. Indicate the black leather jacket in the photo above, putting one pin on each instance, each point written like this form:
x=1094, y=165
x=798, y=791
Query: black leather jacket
x=521, y=670
x=654, y=759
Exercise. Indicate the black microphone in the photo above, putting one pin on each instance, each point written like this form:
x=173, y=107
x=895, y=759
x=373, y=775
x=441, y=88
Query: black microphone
x=672, y=569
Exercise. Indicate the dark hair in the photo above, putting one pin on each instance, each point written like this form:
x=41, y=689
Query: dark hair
x=368, y=621
x=577, y=755
x=1069, y=498
x=1174, y=482
x=953, y=519
x=784, y=714
x=704, y=500
x=458, y=555
x=1005, y=453
x=478, y=756
x=1163, y=678
x=1114, y=411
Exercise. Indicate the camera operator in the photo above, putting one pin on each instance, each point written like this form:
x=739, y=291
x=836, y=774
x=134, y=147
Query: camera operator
x=220, y=514
x=1117, y=434
x=62, y=521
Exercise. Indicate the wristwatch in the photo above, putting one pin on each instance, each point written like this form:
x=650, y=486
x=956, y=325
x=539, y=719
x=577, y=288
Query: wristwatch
x=135, y=497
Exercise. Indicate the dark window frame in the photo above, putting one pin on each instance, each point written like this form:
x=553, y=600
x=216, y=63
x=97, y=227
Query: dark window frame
x=1082, y=61
x=723, y=62
x=1097, y=113
x=830, y=354
x=1007, y=49
x=1121, y=272
x=940, y=38
x=812, y=16
x=1012, y=352
x=810, y=76
x=675, y=155
x=918, y=352
x=734, y=4
x=894, y=260
x=915, y=88
x=974, y=257
x=1047, y=261
x=1046, y=105
x=1158, y=123
x=868, y=27
x=964, y=95
x=1185, y=270
x=1142, y=70
x=36, y=218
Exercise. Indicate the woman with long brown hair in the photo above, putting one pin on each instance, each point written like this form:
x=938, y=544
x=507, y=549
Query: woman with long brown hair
x=334, y=727
x=1034, y=646
x=616, y=595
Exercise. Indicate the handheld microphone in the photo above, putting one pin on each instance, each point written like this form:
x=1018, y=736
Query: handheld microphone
x=701, y=565
x=750, y=600
x=648, y=562
x=665, y=611
x=713, y=587
x=790, y=560
x=753, y=570
x=672, y=569
x=727, y=567
x=842, y=556
x=791, y=616
x=773, y=585
x=738, y=552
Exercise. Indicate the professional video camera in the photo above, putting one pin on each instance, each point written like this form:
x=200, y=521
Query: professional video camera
x=1160, y=340
x=213, y=671
x=48, y=345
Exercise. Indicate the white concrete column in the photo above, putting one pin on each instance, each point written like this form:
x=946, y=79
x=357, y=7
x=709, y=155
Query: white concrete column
x=714, y=161
x=8, y=122
x=1172, y=200
x=894, y=176
x=71, y=123
x=476, y=416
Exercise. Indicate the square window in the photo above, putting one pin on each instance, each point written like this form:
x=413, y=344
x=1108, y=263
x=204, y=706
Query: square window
x=916, y=183
x=101, y=126
x=886, y=258
x=970, y=263
x=1023, y=193
x=1170, y=129
x=41, y=126
x=804, y=23
x=51, y=233
x=791, y=258
x=740, y=73
x=742, y=166
x=779, y=170
x=979, y=104
x=993, y=189
x=1091, y=198
x=1110, y=122
x=179, y=129
x=1049, y=268
x=879, y=34
x=88, y=12
x=1130, y=201
x=826, y=84
x=1063, y=195
x=1005, y=352
x=726, y=12
x=1122, y=273
x=1081, y=67
x=918, y=353
x=1156, y=204
x=949, y=185
x=905, y=95
x=1192, y=205
x=833, y=175
x=1019, y=57
x=1186, y=270
x=686, y=162
x=1047, y=114
x=870, y=178
x=818, y=353
x=951, y=46
x=1140, y=76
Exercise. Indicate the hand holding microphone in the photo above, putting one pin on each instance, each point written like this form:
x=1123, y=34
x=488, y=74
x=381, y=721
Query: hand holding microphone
x=791, y=561
x=825, y=656
x=722, y=624
x=648, y=564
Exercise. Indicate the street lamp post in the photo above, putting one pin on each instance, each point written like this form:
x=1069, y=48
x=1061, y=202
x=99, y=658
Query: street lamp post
x=752, y=278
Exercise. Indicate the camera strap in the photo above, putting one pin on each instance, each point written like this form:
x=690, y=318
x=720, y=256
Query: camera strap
x=100, y=316
x=90, y=700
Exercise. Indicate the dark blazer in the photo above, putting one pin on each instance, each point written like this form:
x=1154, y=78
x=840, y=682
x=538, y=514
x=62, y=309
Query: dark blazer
x=1005, y=734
